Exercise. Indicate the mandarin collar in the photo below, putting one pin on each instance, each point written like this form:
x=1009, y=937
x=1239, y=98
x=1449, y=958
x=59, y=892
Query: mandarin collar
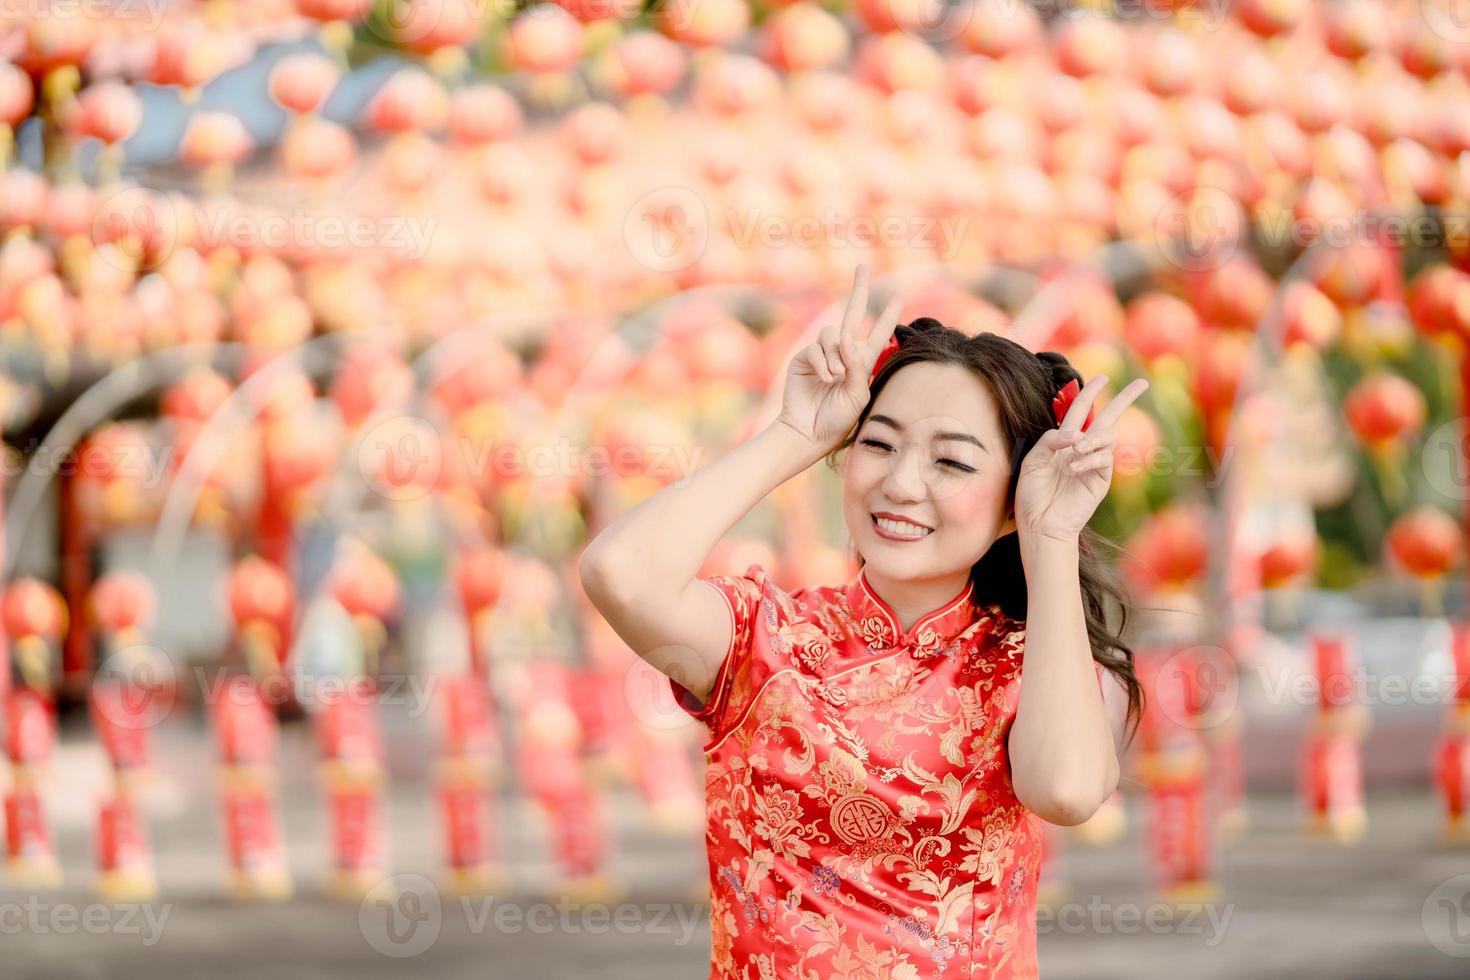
x=879, y=625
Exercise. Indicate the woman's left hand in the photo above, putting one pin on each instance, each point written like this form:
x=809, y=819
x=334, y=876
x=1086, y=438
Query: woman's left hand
x=1067, y=473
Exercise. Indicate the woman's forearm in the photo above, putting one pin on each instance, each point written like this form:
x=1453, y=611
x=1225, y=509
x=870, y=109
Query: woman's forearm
x=1063, y=763
x=661, y=544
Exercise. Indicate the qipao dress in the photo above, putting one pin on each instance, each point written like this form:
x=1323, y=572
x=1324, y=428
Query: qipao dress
x=860, y=820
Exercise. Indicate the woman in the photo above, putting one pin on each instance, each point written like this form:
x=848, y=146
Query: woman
x=877, y=773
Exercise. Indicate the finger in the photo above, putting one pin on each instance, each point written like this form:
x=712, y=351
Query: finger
x=857, y=301
x=827, y=344
x=817, y=359
x=857, y=377
x=1092, y=461
x=1117, y=405
x=883, y=328
x=1082, y=404
x=1093, y=440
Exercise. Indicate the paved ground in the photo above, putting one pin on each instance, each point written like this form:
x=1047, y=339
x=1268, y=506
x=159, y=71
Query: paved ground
x=1290, y=907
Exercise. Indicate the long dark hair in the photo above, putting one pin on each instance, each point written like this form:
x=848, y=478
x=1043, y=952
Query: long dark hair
x=1023, y=384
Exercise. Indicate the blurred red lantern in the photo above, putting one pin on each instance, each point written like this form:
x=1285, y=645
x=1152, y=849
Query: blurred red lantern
x=896, y=61
x=108, y=111
x=996, y=29
x=898, y=15
x=1171, y=64
x=51, y=42
x=1218, y=368
x=1157, y=324
x=1319, y=100
x=429, y=26
x=704, y=23
x=1089, y=46
x=327, y=11
x=1254, y=84
x=121, y=601
x=1425, y=542
x=371, y=377
x=1089, y=309
x=1353, y=29
x=502, y=172
x=589, y=11
x=366, y=586
x=409, y=100
x=1288, y=559
x=483, y=114
x=1439, y=302
x=300, y=82
x=410, y=161
x=1424, y=51
x=1351, y=275
x=113, y=473
x=1138, y=115
x=69, y=210
x=1310, y=317
x=215, y=137
x=1384, y=408
x=1268, y=18
x=733, y=84
x=596, y=132
x=16, y=94
x=803, y=37
x=188, y=55
x=545, y=38
x=34, y=608
x=315, y=149
x=1237, y=294
x=1059, y=102
x=643, y=62
x=1171, y=547
x=286, y=396
x=23, y=197
x=480, y=574
x=196, y=397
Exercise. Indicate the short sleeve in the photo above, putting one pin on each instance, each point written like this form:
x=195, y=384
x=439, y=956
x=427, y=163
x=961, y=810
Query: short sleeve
x=742, y=595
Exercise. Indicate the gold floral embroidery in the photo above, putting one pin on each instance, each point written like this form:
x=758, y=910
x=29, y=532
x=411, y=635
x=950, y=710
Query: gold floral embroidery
x=861, y=822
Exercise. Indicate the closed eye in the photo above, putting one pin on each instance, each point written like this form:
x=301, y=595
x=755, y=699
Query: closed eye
x=952, y=464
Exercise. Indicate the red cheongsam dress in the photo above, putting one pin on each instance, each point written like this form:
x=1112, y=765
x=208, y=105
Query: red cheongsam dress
x=860, y=820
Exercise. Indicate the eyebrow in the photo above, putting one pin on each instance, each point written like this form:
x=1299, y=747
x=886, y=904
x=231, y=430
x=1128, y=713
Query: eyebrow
x=956, y=436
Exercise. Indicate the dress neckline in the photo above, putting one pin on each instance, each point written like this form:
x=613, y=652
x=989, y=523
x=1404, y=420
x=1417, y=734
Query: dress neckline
x=880, y=624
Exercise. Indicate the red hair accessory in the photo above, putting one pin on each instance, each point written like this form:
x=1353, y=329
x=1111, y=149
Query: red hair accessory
x=1063, y=400
x=889, y=349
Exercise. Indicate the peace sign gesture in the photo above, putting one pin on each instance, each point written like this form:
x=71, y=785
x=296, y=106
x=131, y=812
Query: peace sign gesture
x=827, y=381
x=1067, y=473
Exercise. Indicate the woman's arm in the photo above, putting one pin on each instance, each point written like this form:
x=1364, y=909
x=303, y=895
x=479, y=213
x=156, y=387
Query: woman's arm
x=641, y=571
x=1063, y=761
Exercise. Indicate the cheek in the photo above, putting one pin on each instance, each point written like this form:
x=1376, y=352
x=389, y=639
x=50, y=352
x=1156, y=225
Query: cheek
x=976, y=500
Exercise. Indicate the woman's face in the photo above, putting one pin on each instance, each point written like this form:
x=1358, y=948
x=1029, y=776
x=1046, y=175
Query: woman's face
x=930, y=453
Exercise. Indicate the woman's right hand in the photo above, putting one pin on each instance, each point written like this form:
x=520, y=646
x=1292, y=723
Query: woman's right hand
x=827, y=382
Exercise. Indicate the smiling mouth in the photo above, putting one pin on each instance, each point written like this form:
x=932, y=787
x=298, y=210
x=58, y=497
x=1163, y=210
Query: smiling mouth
x=894, y=530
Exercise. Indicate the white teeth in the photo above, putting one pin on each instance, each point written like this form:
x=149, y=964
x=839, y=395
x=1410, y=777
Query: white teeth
x=901, y=527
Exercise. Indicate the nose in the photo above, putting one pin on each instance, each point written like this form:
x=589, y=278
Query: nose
x=906, y=479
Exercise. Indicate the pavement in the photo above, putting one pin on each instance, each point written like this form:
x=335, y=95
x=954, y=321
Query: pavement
x=1394, y=905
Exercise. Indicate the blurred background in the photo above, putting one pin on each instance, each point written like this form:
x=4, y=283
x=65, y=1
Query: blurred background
x=332, y=330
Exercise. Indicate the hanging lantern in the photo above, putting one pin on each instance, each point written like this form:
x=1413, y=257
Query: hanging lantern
x=409, y=100
x=483, y=114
